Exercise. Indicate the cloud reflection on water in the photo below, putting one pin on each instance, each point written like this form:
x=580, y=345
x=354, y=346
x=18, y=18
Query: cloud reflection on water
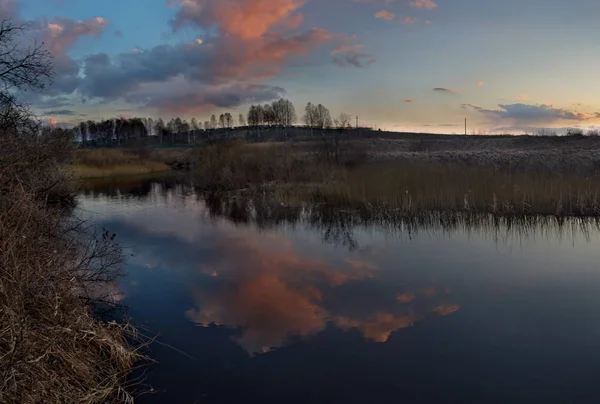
x=272, y=294
x=260, y=283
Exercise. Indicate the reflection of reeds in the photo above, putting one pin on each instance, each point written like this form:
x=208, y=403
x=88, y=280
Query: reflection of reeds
x=337, y=226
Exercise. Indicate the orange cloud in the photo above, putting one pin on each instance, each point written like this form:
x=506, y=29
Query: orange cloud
x=406, y=297
x=409, y=20
x=446, y=309
x=344, y=48
x=480, y=83
x=269, y=292
x=379, y=328
x=62, y=33
x=244, y=19
x=385, y=15
x=262, y=58
x=52, y=122
x=428, y=4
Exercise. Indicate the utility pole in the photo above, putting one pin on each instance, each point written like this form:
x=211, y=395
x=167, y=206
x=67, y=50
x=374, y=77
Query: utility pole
x=356, y=121
x=465, y=126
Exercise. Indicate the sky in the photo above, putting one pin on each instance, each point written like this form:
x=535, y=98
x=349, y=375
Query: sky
x=405, y=65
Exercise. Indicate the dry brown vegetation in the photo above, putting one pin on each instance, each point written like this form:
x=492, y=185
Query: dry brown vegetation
x=115, y=162
x=404, y=186
x=53, y=272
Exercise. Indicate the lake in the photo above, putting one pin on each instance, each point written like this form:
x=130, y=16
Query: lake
x=302, y=308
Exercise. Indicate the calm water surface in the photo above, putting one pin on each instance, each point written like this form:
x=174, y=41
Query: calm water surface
x=290, y=314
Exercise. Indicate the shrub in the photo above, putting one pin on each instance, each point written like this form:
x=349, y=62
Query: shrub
x=574, y=132
x=593, y=132
x=53, y=274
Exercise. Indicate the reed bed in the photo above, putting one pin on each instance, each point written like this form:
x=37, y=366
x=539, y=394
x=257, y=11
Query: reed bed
x=114, y=162
x=404, y=186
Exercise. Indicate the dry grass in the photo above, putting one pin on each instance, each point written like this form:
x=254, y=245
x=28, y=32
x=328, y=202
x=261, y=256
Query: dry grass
x=113, y=162
x=236, y=165
x=414, y=187
x=404, y=186
x=53, y=349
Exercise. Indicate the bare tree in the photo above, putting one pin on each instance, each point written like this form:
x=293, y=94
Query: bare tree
x=194, y=124
x=241, y=120
x=228, y=120
x=284, y=113
x=194, y=127
x=322, y=117
x=268, y=115
x=255, y=115
x=22, y=67
x=159, y=127
x=213, y=121
x=309, y=115
x=344, y=121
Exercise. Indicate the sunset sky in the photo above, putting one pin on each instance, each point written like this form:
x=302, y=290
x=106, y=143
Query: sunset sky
x=418, y=65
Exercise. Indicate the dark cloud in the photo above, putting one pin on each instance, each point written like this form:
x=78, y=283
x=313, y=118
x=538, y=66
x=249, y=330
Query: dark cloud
x=48, y=102
x=56, y=112
x=178, y=96
x=257, y=39
x=354, y=59
x=445, y=90
x=215, y=65
x=526, y=113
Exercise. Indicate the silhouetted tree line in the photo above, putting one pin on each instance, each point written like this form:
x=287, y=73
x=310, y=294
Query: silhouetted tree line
x=136, y=131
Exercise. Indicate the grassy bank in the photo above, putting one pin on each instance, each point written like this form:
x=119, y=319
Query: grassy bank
x=403, y=186
x=54, y=275
x=115, y=162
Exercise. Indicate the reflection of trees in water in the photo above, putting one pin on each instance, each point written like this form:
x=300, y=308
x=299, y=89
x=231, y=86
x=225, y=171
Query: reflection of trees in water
x=338, y=226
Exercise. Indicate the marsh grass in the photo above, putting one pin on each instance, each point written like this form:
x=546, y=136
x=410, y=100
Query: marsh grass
x=404, y=187
x=236, y=165
x=115, y=162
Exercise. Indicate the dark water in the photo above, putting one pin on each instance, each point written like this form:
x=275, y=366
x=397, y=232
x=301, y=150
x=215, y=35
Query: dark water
x=335, y=310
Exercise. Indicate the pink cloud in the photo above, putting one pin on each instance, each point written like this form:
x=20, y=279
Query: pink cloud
x=379, y=327
x=269, y=289
x=409, y=100
x=409, y=20
x=258, y=36
x=344, y=48
x=428, y=4
x=245, y=19
x=62, y=33
x=385, y=15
